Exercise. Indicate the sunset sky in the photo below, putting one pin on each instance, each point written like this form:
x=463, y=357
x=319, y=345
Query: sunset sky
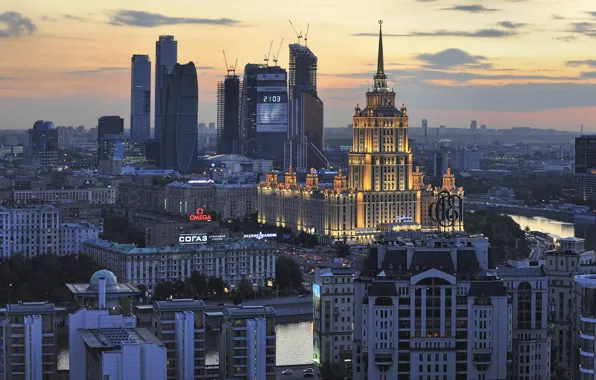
x=505, y=63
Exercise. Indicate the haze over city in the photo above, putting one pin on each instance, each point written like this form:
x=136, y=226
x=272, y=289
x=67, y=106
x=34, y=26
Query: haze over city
x=504, y=63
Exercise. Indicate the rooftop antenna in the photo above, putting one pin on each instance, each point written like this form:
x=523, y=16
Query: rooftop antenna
x=306, y=35
x=268, y=54
x=298, y=35
x=582, y=129
x=231, y=68
x=276, y=55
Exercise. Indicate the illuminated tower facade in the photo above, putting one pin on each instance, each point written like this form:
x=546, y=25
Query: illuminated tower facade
x=381, y=159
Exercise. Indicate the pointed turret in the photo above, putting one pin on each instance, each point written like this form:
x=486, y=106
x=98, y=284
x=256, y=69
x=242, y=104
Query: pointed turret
x=380, y=77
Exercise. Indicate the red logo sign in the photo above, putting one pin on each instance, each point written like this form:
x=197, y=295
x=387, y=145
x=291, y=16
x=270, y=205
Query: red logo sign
x=200, y=215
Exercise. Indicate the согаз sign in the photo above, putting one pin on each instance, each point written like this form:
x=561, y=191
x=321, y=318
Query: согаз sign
x=192, y=239
x=200, y=215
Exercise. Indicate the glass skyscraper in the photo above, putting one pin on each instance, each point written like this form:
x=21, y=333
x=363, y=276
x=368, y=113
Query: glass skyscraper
x=304, y=146
x=166, y=56
x=179, y=117
x=229, y=101
x=140, y=98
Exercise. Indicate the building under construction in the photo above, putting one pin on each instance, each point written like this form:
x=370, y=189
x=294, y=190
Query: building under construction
x=229, y=106
x=304, y=146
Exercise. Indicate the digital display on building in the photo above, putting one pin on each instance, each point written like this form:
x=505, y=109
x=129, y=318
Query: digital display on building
x=272, y=103
x=316, y=336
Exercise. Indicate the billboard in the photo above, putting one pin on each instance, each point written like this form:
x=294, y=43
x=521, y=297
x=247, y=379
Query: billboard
x=272, y=103
x=188, y=239
x=316, y=334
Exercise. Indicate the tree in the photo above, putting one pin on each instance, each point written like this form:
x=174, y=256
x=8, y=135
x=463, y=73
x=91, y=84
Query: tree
x=216, y=285
x=200, y=283
x=342, y=250
x=245, y=287
x=333, y=371
x=287, y=273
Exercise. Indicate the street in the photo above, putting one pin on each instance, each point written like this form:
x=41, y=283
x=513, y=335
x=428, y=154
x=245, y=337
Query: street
x=297, y=372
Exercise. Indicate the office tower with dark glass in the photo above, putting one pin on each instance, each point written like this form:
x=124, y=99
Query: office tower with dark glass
x=179, y=117
x=304, y=147
x=264, y=112
x=43, y=144
x=166, y=56
x=107, y=125
x=140, y=98
x=229, y=104
x=584, y=178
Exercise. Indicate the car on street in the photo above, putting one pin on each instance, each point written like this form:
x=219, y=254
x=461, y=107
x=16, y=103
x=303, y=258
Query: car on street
x=286, y=372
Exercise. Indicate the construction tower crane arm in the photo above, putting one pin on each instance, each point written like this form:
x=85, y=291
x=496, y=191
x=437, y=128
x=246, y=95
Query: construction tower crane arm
x=268, y=54
x=276, y=55
x=298, y=35
x=306, y=35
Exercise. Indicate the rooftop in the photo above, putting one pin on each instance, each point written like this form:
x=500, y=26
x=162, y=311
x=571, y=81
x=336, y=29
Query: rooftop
x=507, y=271
x=131, y=249
x=249, y=312
x=31, y=307
x=113, y=288
x=183, y=304
x=114, y=338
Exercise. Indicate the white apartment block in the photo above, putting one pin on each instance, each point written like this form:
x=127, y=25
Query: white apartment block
x=29, y=230
x=561, y=264
x=180, y=325
x=103, y=195
x=230, y=260
x=28, y=341
x=531, y=340
x=104, y=342
x=584, y=327
x=72, y=236
x=247, y=344
x=333, y=292
x=430, y=309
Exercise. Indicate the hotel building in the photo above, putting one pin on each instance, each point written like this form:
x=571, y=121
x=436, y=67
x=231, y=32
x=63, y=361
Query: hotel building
x=382, y=186
x=230, y=259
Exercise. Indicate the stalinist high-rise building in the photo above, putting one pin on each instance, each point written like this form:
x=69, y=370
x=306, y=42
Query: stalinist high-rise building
x=382, y=192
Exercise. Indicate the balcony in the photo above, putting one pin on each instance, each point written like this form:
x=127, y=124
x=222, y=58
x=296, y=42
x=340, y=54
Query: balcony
x=383, y=357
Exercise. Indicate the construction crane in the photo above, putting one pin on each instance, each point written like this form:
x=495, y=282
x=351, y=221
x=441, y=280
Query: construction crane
x=268, y=54
x=276, y=55
x=232, y=68
x=306, y=35
x=298, y=35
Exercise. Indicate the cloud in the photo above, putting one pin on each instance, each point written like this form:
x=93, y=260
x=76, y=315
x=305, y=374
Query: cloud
x=47, y=18
x=450, y=58
x=482, y=33
x=14, y=24
x=74, y=18
x=583, y=62
x=588, y=74
x=5, y=78
x=511, y=25
x=205, y=68
x=150, y=20
x=585, y=28
x=475, y=8
x=591, y=13
x=565, y=38
x=97, y=70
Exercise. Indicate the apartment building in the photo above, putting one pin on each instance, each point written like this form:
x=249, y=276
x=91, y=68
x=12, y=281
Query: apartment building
x=333, y=295
x=28, y=341
x=95, y=195
x=247, y=346
x=228, y=259
x=180, y=325
x=29, y=230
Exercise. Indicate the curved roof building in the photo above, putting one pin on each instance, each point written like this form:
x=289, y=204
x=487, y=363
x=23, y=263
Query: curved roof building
x=179, y=119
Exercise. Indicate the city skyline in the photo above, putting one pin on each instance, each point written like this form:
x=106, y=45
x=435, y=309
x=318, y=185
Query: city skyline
x=443, y=71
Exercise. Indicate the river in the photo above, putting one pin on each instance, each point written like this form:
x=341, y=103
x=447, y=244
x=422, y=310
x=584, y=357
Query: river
x=559, y=229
